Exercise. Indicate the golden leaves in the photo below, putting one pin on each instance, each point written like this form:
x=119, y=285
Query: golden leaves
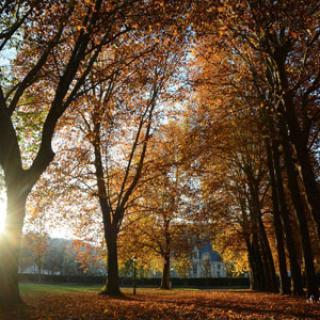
x=152, y=304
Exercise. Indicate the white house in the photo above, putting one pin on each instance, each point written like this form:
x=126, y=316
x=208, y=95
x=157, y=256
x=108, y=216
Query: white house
x=206, y=263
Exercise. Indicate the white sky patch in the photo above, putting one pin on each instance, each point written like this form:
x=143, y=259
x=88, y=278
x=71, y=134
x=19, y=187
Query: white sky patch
x=61, y=233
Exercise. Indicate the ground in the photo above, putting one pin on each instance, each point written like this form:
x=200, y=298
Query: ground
x=66, y=302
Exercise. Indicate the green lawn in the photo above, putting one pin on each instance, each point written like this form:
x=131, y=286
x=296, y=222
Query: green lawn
x=32, y=289
x=38, y=288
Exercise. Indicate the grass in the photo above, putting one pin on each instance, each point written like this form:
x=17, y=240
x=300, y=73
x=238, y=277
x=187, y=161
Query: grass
x=76, y=302
x=32, y=289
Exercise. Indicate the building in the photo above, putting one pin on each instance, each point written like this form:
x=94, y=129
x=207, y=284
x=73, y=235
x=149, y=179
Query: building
x=206, y=263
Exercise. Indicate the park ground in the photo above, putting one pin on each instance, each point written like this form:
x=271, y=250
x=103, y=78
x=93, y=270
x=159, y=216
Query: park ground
x=68, y=302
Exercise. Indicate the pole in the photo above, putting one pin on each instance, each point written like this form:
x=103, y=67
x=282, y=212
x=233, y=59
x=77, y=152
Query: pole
x=134, y=277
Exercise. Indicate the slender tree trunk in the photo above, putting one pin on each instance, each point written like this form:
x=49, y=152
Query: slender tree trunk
x=272, y=284
x=257, y=281
x=257, y=272
x=165, y=281
x=110, y=230
x=10, y=247
x=285, y=287
x=253, y=277
x=277, y=225
x=311, y=281
x=285, y=217
x=264, y=246
x=259, y=264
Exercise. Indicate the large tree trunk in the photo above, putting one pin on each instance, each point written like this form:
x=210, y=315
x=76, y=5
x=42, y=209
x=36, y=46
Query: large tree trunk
x=165, y=281
x=285, y=217
x=10, y=247
x=113, y=281
x=300, y=140
x=277, y=226
x=298, y=137
x=310, y=185
x=311, y=281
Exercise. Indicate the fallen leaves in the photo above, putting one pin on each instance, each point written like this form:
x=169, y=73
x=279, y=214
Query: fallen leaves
x=151, y=304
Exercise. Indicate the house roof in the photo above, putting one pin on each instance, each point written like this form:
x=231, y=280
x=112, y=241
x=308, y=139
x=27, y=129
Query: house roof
x=207, y=249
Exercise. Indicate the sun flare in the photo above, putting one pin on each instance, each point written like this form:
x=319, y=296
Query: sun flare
x=3, y=206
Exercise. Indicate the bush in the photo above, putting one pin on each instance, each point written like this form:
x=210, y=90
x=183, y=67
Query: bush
x=150, y=282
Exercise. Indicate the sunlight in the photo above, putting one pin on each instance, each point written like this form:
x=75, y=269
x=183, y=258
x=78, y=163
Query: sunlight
x=3, y=207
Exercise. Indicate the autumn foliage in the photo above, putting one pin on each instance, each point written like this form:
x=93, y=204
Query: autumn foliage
x=149, y=127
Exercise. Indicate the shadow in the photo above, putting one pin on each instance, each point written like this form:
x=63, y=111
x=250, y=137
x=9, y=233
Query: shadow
x=20, y=312
x=120, y=297
x=236, y=306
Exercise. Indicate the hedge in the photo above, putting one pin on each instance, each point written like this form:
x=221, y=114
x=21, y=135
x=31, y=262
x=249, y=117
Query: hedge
x=147, y=282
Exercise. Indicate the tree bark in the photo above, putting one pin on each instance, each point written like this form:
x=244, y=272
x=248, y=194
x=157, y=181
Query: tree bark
x=263, y=242
x=285, y=217
x=110, y=226
x=10, y=247
x=311, y=281
x=298, y=136
x=253, y=277
x=113, y=280
x=165, y=281
x=266, y=253
x=257, y=281
x=299, y=139
x=277, y=226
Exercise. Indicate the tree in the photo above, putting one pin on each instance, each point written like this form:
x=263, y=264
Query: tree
x=37, y=245
x=91, y=257
x=162, y=222
x=121, y=114
x=57, y=45
x=231, y=161
x=262, y=81
x=113, y=204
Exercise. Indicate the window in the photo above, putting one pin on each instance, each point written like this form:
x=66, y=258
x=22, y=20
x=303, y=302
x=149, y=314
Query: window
x=195, y=269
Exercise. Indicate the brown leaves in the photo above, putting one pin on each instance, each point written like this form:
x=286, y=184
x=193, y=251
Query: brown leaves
x=154, y=304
